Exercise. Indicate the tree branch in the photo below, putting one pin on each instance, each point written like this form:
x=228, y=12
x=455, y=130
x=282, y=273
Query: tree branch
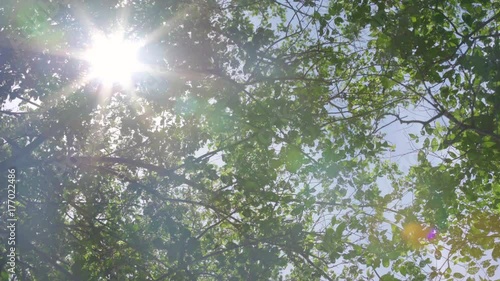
x=424, y=123
x=161, y=171
x=50, y=259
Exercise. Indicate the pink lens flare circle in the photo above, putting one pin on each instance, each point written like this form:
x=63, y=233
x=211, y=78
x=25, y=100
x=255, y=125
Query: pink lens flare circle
x=432, y=234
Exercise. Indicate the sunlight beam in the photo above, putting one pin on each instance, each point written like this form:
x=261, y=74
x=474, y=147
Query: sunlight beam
x=112, y=59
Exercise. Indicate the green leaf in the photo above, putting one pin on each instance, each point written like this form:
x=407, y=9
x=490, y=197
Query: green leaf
x=467, y=18
x=496, y=252
x=491, y=270
x=434, y=144
x=426, y=142
x=489, y=144
x=473, y=270
x=437, y=254
x=316, y=15
x=340, y=230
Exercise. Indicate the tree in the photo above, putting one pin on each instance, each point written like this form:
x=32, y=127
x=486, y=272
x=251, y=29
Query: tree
x=439, y=58
x=252, y=144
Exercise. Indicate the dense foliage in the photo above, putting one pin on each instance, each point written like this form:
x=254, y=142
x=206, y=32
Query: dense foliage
x=257, y=147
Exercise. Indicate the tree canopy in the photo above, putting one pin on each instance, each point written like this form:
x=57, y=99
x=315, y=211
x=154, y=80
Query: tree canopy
x=254, y=143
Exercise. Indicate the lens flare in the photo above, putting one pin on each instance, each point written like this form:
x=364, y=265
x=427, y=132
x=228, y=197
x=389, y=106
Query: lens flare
x=432, y=234
x=113, y=59
x=415, y=233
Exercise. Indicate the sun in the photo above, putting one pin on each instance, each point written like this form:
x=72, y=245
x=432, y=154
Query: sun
x=113, y=59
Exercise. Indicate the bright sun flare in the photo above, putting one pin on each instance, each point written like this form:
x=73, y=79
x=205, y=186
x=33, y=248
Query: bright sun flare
x=113, y=59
